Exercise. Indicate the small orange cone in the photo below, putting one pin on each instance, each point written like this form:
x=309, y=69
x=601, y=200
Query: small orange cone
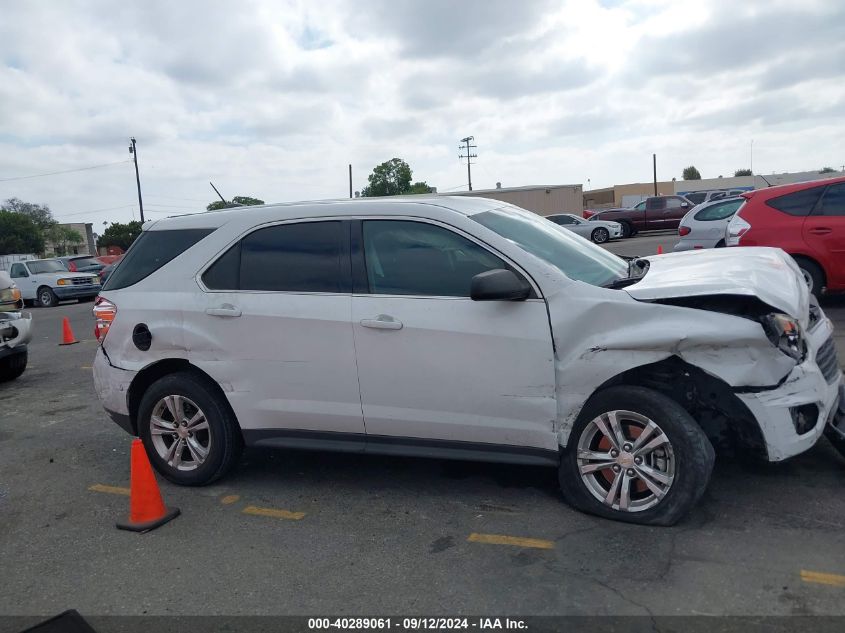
x=146, y=509
x=659, y=249
x=67, y=333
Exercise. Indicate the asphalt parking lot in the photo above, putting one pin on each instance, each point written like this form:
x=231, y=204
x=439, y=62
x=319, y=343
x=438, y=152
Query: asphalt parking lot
x=314, y=533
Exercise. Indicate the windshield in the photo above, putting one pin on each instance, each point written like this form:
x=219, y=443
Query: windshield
x=45, y=266
x=574, y=256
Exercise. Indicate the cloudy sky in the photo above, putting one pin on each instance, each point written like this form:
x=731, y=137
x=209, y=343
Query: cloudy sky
x=273, y=99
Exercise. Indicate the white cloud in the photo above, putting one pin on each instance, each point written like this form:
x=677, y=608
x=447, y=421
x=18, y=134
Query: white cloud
x=273, y=99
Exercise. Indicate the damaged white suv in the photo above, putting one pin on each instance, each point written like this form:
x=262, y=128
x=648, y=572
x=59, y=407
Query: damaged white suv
x=461, y=328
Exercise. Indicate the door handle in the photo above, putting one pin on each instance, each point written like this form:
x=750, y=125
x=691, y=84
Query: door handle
x=822, y=230
x=226, y=310
x=382, y=322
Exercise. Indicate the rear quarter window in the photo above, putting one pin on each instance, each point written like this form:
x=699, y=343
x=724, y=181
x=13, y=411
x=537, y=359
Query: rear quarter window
x=798, y=203
x=151, y=251
x=718, y=211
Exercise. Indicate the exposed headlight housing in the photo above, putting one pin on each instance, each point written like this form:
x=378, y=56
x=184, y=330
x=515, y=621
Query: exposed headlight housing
x=785, y=333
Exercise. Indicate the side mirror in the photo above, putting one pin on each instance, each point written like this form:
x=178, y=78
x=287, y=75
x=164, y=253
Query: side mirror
x=499, y=285
x=685, y=205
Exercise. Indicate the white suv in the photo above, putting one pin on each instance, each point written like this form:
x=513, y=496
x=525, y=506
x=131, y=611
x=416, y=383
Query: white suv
x=460, y=328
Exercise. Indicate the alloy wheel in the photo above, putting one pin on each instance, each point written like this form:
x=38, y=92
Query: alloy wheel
x=180, y=433
x=626, y=461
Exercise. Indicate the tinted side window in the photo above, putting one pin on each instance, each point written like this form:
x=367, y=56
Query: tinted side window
x=799, y=203
x=653, y=204
x=833, y=201
x=149, y=252
x=301, y=257
x=719, y=211
x=415, y=258
x=673, y=203
x=561, y=219
x=696, y=198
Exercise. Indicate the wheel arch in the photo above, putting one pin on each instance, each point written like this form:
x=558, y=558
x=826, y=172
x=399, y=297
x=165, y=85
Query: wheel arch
x=712, y=403
x=159, y=369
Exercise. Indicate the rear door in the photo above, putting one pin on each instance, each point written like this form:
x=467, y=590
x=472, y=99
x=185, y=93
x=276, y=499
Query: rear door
x=654, y=209
x=439, y=372
x=824, y=233
x=676, y=208
x=274, y=325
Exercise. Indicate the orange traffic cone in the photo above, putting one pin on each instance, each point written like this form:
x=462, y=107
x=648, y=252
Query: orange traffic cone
x=67, y=333
x=146, y=509
x=659, y=249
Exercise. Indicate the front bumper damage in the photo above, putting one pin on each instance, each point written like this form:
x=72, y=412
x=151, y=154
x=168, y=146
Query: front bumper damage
x=15, y=332
x=793, y=416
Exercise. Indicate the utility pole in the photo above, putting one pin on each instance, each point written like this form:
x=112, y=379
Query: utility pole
x=469, y=156
x=751, y=158
x=654, y=164
x=134, y=152
x=350, y=181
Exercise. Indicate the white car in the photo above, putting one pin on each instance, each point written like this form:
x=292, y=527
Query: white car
x=460, y=328
x=704, y=225
x=15, y=330
x=599, y=231
x=47, y=281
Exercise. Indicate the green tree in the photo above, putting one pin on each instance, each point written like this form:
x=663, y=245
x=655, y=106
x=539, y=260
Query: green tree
x=391, y=178
x=691, y=173
x=40, y=214
x=19, y=234
x=420, y=187
x=121, y=235
x=743, y=172
x=61, y=237
x=827, y=170
x=237, y=201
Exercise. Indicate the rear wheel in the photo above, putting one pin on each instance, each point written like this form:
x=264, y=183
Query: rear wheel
x=635, y=455
x=13, y=366
x=191, y=436
x=600, y=235
x=813, y=275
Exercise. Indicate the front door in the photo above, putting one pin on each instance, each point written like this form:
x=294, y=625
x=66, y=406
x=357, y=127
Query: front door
x=274, y=327
x=824, y=233
x=28, y=285
x=438, y=371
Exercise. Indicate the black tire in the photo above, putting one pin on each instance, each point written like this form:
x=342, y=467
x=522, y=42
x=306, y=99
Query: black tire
x=600, y=235
x=813, y=274
x=720, y=244
x=836, y=436
x=693, y=457
x=46, y=298
x=226, y=441
x=627, y=231
x=87, y=299
x=13, y=366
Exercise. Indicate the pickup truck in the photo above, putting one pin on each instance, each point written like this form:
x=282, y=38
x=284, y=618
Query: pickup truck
x=652, y=214
x=47, y=281
x=15, y=330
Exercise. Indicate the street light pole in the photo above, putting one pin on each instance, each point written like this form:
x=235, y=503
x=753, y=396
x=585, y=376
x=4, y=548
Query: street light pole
x=134, y=152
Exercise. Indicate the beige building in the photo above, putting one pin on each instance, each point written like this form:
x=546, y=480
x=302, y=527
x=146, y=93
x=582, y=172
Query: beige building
x=541, y=199
x=84, y=247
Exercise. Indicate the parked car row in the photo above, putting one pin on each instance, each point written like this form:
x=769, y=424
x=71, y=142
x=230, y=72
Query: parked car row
x=652, y=214
x=806, y=220
x=45, y=282
x=597, y=231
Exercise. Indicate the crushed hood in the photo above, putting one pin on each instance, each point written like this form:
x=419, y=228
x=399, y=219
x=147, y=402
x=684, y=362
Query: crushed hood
x=766, y=273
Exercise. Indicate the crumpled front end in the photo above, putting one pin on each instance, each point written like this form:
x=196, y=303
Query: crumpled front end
x=15, y=329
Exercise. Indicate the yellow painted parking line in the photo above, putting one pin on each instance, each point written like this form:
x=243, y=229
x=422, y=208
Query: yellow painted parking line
x=112, y=490
x=834, y=580
x=85, y=367
x=518, y=541
x=272, y=512
x=229, y=499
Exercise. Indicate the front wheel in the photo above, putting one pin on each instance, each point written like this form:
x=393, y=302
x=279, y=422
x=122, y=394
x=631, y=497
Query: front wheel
x=635, y=455
x=13, y=366
x=47, y=298
x=627, y=231
x=189, y=432
x=600, y=235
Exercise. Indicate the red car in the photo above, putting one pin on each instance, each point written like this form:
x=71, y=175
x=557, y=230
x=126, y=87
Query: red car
x=807, y=220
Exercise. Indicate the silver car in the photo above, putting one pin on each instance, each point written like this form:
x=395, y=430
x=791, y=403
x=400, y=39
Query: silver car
x=704, y=226
x=599, y=231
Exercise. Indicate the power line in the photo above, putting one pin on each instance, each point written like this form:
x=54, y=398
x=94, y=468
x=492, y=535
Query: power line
x=66, y=171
